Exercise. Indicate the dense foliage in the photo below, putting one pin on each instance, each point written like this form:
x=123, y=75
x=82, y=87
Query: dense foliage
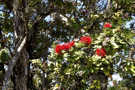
x=67, y=44
x=75, y=64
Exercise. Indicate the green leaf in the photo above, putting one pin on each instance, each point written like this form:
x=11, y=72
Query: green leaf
x=4, y=56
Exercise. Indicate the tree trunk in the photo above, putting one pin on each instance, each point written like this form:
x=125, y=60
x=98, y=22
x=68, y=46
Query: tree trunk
x=20, y=72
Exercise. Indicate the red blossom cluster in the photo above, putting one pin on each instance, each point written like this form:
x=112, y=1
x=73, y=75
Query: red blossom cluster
x=65, y=46
x=86, y=39
x=101, y=52
x=107, y=25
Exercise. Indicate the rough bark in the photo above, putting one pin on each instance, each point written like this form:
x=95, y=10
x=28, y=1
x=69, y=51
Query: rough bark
x=20, y=26
x=20, y=73
x=19, y=61
x=12, y=63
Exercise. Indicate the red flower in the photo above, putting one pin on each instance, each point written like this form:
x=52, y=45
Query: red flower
x=58, y=48
x=65, y=46
x=107, y=25
x=101, y=52
x=71, y=43
x=86, y=39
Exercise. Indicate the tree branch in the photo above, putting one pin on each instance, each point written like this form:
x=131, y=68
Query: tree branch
x=12, y=63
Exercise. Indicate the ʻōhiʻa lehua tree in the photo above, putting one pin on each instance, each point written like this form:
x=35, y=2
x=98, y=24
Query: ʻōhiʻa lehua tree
x=92, y=47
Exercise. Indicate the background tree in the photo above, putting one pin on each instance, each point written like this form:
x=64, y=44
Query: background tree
x=28, y=28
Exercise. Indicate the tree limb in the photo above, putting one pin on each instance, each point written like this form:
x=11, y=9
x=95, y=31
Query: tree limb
x=12, y=63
